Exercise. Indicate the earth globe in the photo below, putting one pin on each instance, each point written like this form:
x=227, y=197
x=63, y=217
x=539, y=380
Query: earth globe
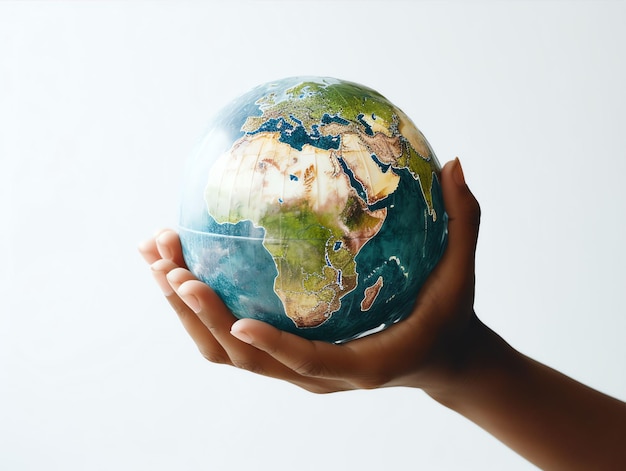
x=313, y=204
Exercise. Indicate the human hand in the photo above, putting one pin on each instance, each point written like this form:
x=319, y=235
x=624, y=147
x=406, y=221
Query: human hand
x=418, y=351
x=442, y=347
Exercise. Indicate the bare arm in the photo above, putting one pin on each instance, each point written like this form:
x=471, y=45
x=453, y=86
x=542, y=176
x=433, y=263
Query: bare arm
x=550, y=419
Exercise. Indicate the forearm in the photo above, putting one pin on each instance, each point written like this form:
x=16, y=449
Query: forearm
x=552, y=420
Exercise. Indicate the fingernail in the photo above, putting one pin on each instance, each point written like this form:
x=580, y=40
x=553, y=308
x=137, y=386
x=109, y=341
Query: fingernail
x=143, y=246
x=164, y=250
x=192, y=302
x=160, y=278
x=459, y=178
x=239, y=334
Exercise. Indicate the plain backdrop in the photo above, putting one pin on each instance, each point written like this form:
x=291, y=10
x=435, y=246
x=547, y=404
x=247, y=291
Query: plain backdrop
x=102, y=102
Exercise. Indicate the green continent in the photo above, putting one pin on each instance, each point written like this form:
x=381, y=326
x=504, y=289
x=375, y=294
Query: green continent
x=312, y=275
x=355, y=217
x=422, y=169
x=346, y=100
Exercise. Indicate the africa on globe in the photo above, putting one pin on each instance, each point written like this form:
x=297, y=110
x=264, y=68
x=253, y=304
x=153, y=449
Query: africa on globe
x=313, y=204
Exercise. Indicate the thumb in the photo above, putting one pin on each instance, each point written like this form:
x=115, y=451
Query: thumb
x=463, y=216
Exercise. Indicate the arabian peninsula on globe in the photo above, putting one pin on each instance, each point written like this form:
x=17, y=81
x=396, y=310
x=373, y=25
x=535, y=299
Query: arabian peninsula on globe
x=314, y=204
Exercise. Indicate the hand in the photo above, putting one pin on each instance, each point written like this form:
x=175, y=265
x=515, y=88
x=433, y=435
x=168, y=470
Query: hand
x=442, y=347
x=417, y=351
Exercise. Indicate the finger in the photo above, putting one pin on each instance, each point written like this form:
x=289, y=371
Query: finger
x=148, y=248
x=169, y=276
x=219, y=320
x=311, y=359
x=204, y=340
x=160, y=269
x=177, y=276
x=206, y=343
x=216, y=319
x=149, y=251
x=168, y=245
x=203, y=301
x=207, y=305
x=463, y=218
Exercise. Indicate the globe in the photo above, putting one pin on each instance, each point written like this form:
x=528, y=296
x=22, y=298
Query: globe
x=313, y=204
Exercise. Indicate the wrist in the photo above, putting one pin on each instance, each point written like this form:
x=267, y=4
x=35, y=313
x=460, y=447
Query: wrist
x=545, y=416
x=478, y=360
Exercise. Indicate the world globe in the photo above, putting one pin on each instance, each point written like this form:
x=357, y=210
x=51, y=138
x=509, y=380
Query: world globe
x=313, y=204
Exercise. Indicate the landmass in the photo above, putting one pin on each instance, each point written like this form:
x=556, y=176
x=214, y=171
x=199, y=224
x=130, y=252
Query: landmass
x=315, y=182
x=371, y=293
x=315, y=223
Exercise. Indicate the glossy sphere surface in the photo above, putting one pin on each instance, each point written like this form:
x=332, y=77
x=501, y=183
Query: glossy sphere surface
x=314, y=204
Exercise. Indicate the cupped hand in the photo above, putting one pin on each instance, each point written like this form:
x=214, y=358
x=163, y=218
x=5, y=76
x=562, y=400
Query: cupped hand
x=415, y=352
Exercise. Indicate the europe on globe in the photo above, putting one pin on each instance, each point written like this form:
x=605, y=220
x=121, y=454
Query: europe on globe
x=313, y=204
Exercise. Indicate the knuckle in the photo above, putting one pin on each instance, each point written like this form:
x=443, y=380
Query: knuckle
x=309, y=368
x=247, y=365
x=214, y=356
x=179, y=307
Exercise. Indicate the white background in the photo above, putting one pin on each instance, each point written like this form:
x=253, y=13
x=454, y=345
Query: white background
x=100, y=104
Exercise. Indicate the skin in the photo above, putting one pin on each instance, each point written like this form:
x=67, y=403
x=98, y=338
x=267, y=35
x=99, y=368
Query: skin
x=441, y=348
